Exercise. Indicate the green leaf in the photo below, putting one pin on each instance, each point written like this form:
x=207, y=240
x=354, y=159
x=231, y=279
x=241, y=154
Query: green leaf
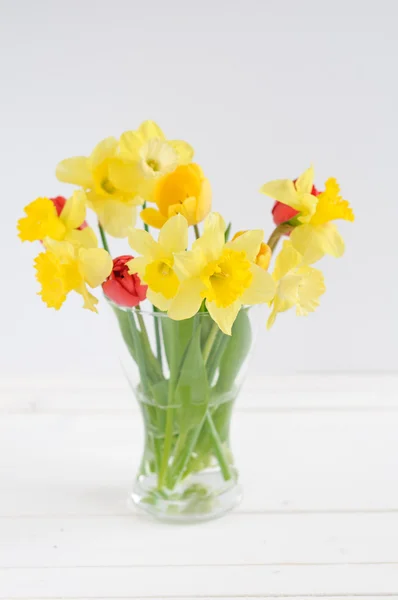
x=192, y=390
x=176, y=336
x=235, y=352
x=123, y=319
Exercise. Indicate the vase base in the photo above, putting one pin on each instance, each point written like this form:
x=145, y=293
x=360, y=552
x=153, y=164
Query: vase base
x=202, y=497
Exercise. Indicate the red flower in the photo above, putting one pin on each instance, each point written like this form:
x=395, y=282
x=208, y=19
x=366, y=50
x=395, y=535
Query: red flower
x=282, y=213
x=59, y=203
x=123, y=288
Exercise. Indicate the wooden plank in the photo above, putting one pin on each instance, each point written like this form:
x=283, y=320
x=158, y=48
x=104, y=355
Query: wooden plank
x=300, y=392
x=236, y=540
x=169, y=581
x=84, y=465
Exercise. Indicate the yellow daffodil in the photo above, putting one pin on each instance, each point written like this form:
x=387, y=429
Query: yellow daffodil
x=298, y=284
x=42, y=221
x=263, y=257
x=295, y=194
x=152, y=155
x=63, y=268
x=155, y=266
x=111, y=185
x=225, y=275
x=185, y=191
x=319, y=236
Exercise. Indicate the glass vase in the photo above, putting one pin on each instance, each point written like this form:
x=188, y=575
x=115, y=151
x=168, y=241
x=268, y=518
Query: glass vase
x=186, y=376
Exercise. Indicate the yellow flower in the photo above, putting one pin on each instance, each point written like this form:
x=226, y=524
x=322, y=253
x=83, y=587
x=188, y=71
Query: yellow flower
x=155, y=266
x=263, y=257
x=297, y=195
x=152, y=155
x=297, y=284
x=64, y=268
x=111, y=184
x=42, y=221
x=185, y=191
x=225, y=275
x=319, y=236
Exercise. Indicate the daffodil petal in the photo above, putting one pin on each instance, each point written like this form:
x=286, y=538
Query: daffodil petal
x=96, y=265
x=85, y=238
x=117, y=217
x=187, y=301
x=189, y=264
x=105, y=149
x=311, y=287
x=90, y=301
x=49, y=274
x=262, y=287
x=173, y=236
x=224, y=317
x=149, y=130
x=249, y=242
x=124, y=176
x=74, y=211
x=314, y=241
x=130, y=144
x=138, y=266
x=75, y=170
x=184, y=151
x=158, y=300
x=212, y=241
x=142, y=242
x=153, y=217
x=305, y=182
x=282, y=190
x=287, y=259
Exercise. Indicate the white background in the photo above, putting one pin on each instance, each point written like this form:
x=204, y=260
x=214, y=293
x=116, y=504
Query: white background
x=261, y=89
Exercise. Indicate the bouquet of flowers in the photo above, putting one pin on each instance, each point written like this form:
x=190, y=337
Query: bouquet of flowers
x=184, y=310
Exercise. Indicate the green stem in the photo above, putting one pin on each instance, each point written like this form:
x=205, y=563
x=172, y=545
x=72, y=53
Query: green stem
x=197, y=232
x=157, y=338
x=277, y=234
x=209, y=342
x=168, y=436
x=145, y=225
x=218, y=449
x=103, y=238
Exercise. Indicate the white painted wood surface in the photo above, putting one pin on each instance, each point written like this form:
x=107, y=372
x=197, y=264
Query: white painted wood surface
x=318, y=457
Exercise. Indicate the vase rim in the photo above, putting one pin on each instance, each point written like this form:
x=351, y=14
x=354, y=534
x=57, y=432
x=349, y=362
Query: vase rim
x=157, y=313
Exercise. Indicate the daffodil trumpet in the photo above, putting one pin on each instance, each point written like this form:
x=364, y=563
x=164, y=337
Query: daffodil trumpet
x=187, y=293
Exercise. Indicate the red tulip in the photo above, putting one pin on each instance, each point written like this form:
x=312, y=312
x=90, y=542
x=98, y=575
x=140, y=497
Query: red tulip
x=123, y=288
x=282, y=212
x=59, y=203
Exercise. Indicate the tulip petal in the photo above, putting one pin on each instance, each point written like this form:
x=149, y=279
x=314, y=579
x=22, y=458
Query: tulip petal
x=224, y=317
x=262, y=288
x=203, y=206
x=96, y=265
x=153, y=217
x=173, y=236
x=187, y=301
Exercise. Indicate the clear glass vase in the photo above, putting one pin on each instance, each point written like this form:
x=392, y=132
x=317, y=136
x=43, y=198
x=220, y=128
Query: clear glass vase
x=186, y=376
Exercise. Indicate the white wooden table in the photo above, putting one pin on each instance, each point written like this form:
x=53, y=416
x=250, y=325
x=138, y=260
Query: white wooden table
x=319, y=463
